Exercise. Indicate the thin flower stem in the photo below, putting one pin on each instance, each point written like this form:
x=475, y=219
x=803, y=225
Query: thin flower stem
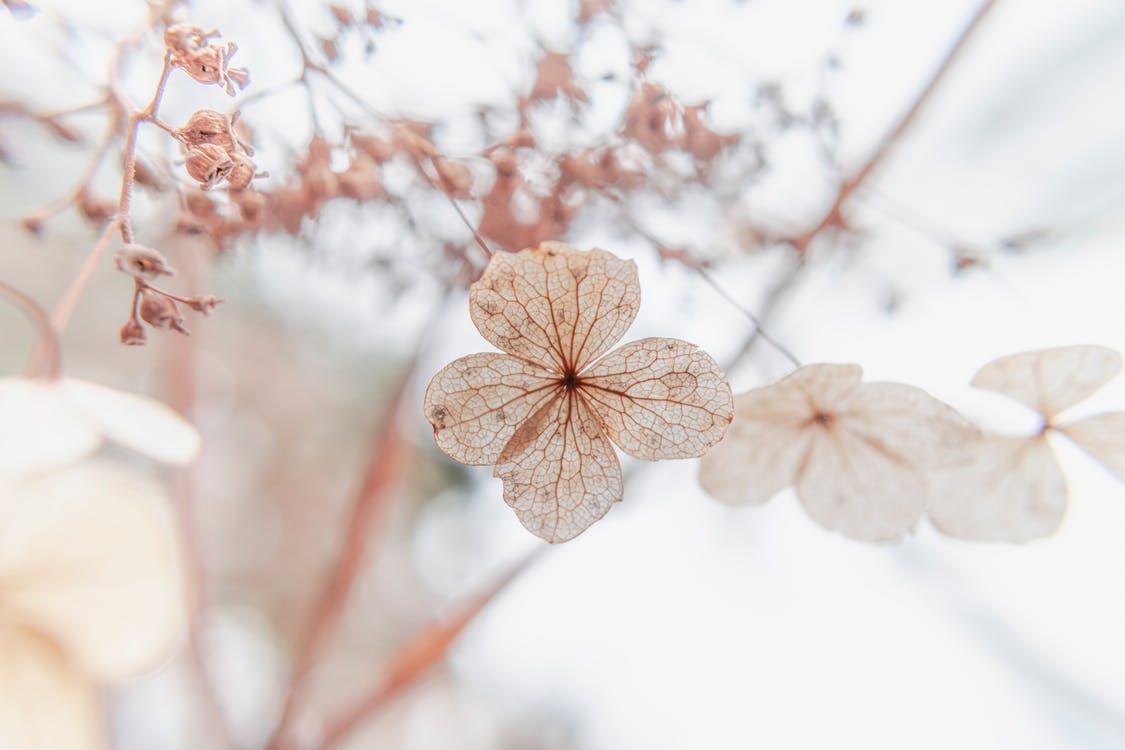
x=48, y=339
x=759, y=328
x=69, y=301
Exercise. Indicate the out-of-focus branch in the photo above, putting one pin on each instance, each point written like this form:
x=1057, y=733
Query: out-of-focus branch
x=48, y=340
x=417, y=657
x=834, y=216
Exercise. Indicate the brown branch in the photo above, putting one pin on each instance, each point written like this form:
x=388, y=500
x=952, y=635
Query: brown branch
x=48, y=339
x=834, y=216
x=415, y=658
x=385, y=468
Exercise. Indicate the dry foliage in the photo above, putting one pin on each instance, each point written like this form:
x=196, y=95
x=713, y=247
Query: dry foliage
x=545, y=412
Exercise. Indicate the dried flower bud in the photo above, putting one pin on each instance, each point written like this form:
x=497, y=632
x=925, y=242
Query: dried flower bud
x=205, y=61
x=208, y=126
x=142, y=262
x=242, y=171
x=330, y=49
x=133, y=333
x=160, y=312
x=342, y=15
x=208, y=164
x=204, y=304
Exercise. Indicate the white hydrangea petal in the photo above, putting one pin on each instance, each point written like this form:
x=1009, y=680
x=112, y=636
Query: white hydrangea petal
x=137, y=422
x=1050, y=380
x=38, y=429
x=859, y=487
x=824, y=384
x=44, y=702
x=88, y=556
x=1012, y=491
x=1103, y=437
x=763, y=448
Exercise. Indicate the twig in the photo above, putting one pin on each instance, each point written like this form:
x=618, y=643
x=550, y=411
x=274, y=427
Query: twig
x=48, y=339
x=416, y=657
x=834, y=217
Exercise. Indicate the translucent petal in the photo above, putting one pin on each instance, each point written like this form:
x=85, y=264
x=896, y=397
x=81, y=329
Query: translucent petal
x=555, y=305
x=824, y=384
x=660, y=398
x=1050, y=380
x=1103, y=437
x=45, y=704
x=137, y=422
x=559, y=470
x=39, y=429
x=1012, y=491
x=88, y=557
x=476, y=403
x=859, y=487
x=907, y=423
x=763, y=449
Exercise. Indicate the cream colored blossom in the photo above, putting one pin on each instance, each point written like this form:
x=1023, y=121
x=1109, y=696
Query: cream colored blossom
x=545, y=411
x=1014, y=489
x=90, y=593
x=858, y=454
x=48, y=423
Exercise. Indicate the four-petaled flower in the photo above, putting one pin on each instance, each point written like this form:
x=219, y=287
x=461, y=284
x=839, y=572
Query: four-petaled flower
x=544, y=413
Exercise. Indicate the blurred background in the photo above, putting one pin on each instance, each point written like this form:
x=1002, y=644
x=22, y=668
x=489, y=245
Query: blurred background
x=993, y=223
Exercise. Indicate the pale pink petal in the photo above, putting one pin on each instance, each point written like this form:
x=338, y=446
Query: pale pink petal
x=137, y=422
x=1103, y=437
x=824, y=384
x=559, y=470
x=38, y=428
x=659, y=398
x=762, y=450
x=555, y=305
x=1012, y=491
x=45, y=704
x=859, y=486
x=1050, y=380
x=476, y=403
x=88, y=557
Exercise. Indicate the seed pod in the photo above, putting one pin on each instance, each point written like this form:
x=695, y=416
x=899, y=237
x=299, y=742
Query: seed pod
x=240, y=173
x=133, y=333
x=208, y=126
x=207, y=164
x=160, y=312
x=143, y=262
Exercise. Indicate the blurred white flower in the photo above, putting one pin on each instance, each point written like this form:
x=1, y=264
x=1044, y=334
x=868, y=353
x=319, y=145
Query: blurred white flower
x=91, y=591
x=48, y=423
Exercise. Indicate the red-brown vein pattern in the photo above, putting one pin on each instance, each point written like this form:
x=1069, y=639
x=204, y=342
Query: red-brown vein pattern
x=544, y=413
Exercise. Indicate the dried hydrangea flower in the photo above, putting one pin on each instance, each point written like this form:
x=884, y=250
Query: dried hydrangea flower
x=858, y=454
x=46, y=423
x=93, y=593
x=204, y=60
x=142, y=262
x=545, y=411
x=1014, y=489
x=208, y=164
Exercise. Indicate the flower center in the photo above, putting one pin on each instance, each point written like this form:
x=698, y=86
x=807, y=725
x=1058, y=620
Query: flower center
x=570, y=380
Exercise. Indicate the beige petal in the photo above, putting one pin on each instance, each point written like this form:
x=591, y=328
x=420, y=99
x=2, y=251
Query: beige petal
x=763, y=449
x=559, y=470
x=1050, y=380
x=824, y=384
x=1103, y=437
x=555, y=305
x=907, y=423
x=1013, y=491
x=859, y=486
x=476, y=403
x=88, y=557
x=137, y=422
x=39, y=429
x=660, y=398
x=44, y=703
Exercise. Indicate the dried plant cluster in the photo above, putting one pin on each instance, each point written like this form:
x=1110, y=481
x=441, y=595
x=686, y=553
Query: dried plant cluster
x=868, y=460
